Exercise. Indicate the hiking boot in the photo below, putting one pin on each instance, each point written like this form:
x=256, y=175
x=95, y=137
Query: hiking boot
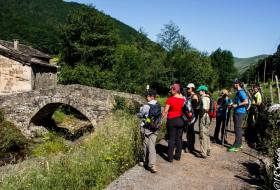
x=153, y=169
x=208, y=152
x=141, y=164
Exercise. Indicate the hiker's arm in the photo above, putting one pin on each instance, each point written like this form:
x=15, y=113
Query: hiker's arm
x=245, y=102
x=144, y=111
x=165, y=111
x=195, y=101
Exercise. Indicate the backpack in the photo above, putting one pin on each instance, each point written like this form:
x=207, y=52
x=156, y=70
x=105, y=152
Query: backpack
x=188, y=112
x=153, y=121
x=248, y=106
x=212, y=109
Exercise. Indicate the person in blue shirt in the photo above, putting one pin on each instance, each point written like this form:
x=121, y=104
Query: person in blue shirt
x=239, y=105
x=222, y=115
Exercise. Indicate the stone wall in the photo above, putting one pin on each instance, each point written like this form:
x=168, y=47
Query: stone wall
x=43, y=77
x=15, y=77
x=32, y=107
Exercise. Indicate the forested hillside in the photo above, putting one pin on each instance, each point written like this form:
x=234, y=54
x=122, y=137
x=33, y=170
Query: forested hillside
x=95, y=49
x=38, y=22
x=244, y=63
x=269, y=65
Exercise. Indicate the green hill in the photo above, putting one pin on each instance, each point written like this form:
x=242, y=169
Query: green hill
x=37, y=22
x=243, y=63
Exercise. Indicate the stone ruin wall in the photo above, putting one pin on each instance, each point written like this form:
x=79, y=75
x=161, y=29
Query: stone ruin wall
x=15, y=77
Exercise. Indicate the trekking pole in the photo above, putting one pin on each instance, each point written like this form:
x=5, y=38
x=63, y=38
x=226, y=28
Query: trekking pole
x=225, y=129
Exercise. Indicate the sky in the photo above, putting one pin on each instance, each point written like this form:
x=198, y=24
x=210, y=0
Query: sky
x=245, y=27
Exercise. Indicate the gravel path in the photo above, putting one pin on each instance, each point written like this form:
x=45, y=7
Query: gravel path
x=221, y=171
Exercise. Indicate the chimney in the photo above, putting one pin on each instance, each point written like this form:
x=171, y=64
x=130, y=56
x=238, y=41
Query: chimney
x=16, y=42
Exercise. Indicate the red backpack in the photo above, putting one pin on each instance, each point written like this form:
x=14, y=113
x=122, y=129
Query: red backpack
x=213, y=108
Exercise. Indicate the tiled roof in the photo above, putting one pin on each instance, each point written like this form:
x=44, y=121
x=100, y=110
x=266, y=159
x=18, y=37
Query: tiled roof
x=24, y=54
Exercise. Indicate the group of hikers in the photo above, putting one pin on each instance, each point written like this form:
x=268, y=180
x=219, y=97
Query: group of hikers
x=186, y=107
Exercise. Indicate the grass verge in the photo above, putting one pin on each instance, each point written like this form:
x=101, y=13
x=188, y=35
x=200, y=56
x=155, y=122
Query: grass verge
x=101, y=158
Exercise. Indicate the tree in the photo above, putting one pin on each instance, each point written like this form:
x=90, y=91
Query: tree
x=87, y=37
x=170, y=37
x=223, y=63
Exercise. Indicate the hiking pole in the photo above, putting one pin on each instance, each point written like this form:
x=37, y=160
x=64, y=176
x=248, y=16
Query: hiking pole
x=225, y=128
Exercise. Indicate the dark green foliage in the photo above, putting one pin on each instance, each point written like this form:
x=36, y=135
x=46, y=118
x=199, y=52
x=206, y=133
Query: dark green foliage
x=34, y=22
x=97, y=50
x=122, y=104
x=37, y=23
x=255, y=73
x=11, y=138
x=190, y=66
x=223, y=63
x=87, y=37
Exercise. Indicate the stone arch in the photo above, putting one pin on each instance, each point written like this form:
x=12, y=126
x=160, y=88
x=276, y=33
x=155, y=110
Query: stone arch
x=42, y=114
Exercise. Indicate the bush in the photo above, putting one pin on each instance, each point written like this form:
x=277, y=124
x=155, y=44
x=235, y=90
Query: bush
x=270, y=141
x=100, y=159
x=122, y=104
x=11, y=138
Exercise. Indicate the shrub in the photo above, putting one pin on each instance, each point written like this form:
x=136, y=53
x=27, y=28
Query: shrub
x=123, y=104
x=11, y=138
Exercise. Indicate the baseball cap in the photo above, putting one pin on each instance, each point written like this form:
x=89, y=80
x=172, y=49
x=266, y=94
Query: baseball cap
x=236, y=81
x=190, y=85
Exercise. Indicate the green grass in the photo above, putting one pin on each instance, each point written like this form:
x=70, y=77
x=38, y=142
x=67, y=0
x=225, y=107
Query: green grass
x=101, y=158
x=161, y=100
x=53, y=144
x=11, y=138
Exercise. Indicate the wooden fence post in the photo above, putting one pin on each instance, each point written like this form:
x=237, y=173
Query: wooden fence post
x=277, y=86
x=271, y=93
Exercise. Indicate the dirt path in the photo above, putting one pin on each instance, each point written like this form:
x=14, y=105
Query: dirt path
x=221, y=171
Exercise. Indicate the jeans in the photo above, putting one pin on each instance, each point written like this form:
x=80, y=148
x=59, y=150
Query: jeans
x=238, y=121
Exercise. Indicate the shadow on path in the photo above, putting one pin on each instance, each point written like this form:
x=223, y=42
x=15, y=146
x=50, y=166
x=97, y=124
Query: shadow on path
x=255, y=174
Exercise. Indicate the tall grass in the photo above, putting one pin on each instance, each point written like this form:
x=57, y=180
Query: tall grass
x=101, y=158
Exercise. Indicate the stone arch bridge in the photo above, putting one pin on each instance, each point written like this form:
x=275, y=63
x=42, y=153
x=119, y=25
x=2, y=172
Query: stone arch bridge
x=34, y=106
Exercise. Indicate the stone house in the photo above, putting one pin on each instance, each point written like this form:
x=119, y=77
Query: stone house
x=23, y=68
